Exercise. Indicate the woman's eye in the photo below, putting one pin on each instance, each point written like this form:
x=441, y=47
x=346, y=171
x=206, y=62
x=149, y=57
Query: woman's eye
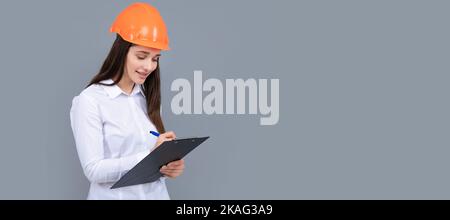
x=141, y=58
x=156, y=60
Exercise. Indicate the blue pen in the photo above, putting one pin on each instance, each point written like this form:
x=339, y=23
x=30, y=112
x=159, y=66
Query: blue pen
x=154, y=133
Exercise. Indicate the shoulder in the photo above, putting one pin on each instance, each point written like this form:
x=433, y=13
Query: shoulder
x=90, y=96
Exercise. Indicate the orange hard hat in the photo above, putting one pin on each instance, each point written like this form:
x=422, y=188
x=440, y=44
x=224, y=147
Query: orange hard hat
x=141, y=24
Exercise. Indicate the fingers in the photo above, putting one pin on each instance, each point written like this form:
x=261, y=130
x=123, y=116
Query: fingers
x=171, y=173
x=173, y=169
x=176, y=165
x=168, y=135
x=168, y=170
x=165, y=168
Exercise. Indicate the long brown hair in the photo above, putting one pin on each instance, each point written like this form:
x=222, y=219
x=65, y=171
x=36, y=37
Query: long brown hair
x=113, y=68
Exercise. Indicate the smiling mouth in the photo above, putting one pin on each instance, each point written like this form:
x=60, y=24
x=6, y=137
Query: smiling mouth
x=143, y=75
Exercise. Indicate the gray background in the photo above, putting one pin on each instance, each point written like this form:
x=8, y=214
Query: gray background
x=364, y=111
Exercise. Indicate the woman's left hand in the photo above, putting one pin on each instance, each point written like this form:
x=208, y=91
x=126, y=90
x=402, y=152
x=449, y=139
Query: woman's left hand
x=173, y=169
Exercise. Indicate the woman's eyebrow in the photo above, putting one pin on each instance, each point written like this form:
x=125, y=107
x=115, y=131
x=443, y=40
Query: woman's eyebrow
x=147, y=53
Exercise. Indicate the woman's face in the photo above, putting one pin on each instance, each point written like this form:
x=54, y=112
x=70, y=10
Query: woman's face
x=141, y=61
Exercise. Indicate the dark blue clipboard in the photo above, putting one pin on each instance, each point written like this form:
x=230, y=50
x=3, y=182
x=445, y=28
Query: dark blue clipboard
x=147, y=170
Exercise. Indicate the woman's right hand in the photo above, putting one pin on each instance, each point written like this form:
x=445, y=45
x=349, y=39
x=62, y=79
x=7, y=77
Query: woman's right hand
x=168, y=136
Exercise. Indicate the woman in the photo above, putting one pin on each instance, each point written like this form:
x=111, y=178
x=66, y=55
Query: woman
x=112, y=117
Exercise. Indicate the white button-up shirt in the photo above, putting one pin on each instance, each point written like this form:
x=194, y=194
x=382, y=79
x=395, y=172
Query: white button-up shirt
x=111, y=131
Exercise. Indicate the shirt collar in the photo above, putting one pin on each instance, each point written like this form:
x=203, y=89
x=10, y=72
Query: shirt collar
x=114, y=90
x=137, y=89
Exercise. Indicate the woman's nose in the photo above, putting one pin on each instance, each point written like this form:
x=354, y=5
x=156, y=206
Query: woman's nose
x=150, y=66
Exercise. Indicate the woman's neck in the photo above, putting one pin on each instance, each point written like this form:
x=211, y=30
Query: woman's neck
x=126, y=85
